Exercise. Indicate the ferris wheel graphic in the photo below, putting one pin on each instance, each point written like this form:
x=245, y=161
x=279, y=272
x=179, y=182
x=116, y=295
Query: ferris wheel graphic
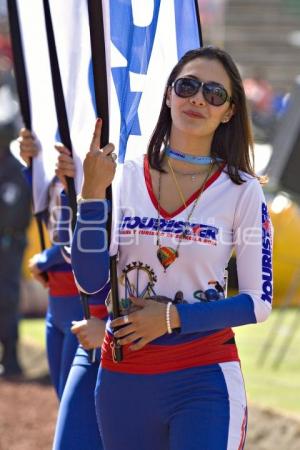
x=138, y=280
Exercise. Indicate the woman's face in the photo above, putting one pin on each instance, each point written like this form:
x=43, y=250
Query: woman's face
x=194, y=116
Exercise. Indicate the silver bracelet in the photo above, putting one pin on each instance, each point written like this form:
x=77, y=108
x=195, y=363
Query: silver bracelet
x=168, y=319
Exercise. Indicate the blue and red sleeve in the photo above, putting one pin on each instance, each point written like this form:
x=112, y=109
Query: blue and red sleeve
x=90, y=257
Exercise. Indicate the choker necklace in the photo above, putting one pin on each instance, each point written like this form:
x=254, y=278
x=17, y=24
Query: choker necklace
x=192, y=159
x=167, y=255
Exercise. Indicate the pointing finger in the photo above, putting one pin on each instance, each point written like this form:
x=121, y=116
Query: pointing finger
x=95, y=144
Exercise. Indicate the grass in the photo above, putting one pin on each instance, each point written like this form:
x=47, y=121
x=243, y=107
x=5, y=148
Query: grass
x=32, y=331
x=266, y=386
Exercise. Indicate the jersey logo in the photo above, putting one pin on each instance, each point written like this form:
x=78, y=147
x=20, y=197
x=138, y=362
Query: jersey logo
x=169, y=228
x=267, y=276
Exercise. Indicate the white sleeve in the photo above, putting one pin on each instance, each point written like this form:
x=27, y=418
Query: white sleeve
x=253, y=245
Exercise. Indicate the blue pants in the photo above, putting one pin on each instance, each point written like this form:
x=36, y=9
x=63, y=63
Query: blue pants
x=76, y=427
x=202, y=408
x=60, y=342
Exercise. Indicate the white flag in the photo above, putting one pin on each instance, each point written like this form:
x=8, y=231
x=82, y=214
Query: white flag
x=143, y=41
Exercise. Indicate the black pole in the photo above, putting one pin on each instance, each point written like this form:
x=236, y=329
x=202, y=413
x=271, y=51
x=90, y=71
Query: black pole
x=23, y=91
x=63, y=126
x=61, y=112
x=19, y=63
x=198, y=22
x=101, y=95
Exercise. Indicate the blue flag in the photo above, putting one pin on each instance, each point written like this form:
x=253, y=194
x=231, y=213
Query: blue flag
x=147, y=39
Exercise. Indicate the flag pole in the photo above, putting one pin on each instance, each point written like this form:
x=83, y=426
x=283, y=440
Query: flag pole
x=63, y=126
x=99, y=59
x=23, y=94
x=199, y=22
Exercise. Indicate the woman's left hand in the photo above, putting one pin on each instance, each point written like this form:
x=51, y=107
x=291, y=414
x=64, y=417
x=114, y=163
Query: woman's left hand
x=90, y=332
x=144, y=325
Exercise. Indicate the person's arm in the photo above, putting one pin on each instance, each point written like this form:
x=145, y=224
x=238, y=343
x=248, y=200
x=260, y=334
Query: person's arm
x=64, y=227
x=89, y=253
x=28, y=144
x=48, y=258
x=44, y=261
x=253, y=245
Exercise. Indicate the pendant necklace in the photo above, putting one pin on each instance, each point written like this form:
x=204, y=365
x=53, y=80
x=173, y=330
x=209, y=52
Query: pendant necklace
x=193, y=176
x=167, y=255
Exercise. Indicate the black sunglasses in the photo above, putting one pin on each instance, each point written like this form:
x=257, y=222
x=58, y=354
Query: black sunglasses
x=214, y=93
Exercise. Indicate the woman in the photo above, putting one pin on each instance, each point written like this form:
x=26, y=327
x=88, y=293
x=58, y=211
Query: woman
x=73, y=375
x=179, y=213
x=76, y=424
x=64, y=305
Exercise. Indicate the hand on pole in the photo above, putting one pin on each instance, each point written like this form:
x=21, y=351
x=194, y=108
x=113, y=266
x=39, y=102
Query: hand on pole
x=145, y=325
x=28, y=145
x=99, y=167
x=90, y=332
x=65, y=166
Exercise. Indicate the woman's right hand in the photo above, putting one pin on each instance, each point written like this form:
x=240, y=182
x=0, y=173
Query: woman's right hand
x=28, y=145
x=99, y=167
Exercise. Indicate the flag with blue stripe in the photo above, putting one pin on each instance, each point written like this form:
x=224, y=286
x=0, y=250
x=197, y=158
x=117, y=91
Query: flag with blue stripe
x=152, y=37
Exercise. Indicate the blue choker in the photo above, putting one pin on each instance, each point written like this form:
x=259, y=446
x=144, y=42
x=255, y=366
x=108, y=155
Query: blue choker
x=200, y=160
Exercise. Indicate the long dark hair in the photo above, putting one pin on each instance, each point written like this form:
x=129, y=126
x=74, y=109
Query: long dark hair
x=233, y=140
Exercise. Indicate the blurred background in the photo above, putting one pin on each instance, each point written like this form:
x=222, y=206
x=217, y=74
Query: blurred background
x=264, y=39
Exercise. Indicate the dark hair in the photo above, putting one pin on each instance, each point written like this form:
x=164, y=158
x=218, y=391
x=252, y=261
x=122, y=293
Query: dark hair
x=233, y=140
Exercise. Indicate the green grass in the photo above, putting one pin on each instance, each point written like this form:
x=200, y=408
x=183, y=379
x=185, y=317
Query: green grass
x=32, y=331
x=277, y=388
x=266, y=385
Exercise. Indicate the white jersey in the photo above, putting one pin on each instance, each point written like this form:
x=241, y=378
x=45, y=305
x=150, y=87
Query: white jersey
x=227, y=217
